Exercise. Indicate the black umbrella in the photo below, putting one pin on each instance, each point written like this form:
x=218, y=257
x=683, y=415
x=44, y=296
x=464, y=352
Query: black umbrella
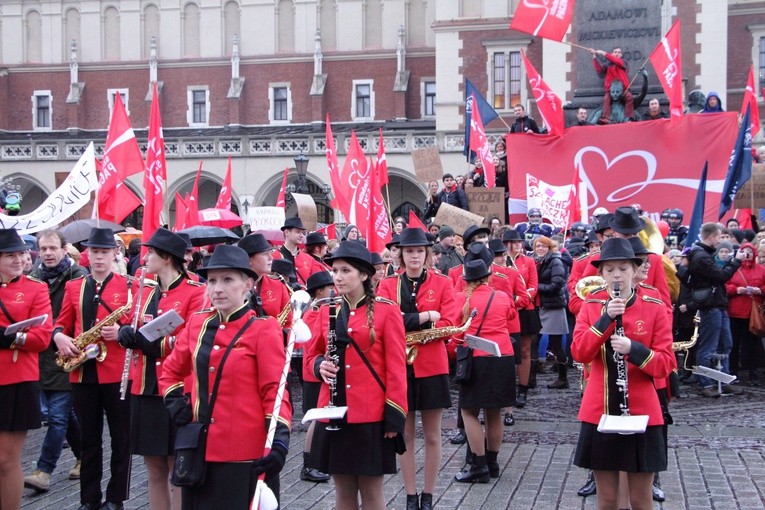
x=201, y=235
x=79, y=230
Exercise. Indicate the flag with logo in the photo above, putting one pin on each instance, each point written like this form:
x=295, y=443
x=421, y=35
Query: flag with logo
x=549, y=104
x=224, y=197
x=474, y=101
x=479, y=144
x=666, y=59
x=548, y=19
x=740, y=165
x=155, y=175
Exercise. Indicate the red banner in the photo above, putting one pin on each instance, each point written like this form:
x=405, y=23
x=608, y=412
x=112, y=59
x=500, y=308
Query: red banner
x=281, y=200
x=655, y=164
x=382, y=163
x=549, y=19
x=666, y=59
x=480, y=145
x=224, y=197
x=155, y=176
x=340, y=202
x=550, y=106
x=750, y=98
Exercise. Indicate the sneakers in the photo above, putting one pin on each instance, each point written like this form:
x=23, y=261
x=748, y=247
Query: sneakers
x=39, y=481
x=729, y=389
x=74, y=473
x=709, y=392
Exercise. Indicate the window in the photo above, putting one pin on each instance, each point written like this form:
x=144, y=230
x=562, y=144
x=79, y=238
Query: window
x=42, y=110
x=758, y=56
x=198, y=113
x=281, y=103
x=111, y=94
x=762, y=60
x=506, y=79
x=363, y=107
x=428, y=99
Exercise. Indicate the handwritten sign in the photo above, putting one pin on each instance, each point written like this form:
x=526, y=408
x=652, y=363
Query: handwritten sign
x=458, y=219
x=486, y=202
x=306, y=210
x=427, y=164
x=752, y=193
x=265, y=218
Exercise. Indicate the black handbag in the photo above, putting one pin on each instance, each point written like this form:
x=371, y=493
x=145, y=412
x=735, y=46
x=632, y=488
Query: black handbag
x=702, y=296
x=190, y=468
x=463, y=368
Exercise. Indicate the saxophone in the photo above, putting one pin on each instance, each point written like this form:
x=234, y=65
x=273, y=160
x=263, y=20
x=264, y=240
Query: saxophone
x=282, y=317
x=426, y=336
x=89, y=342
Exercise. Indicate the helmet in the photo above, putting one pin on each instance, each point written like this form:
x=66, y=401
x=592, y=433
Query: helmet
x=665, y=214
x=537, y=214
x=675, y=217
x=579, y=229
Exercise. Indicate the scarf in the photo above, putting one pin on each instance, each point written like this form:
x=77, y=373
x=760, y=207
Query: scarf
x=51, y=274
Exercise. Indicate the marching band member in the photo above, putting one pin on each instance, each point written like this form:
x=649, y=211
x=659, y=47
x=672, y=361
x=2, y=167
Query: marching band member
x=370, y=378
x=311, y=260
x=151, y=430
x=380, y=266
x=492, y=383
x=294, y=236
x=270, y=295
x=247, y=386
x=426, y=300
x=21, y=298
x=96, y=384
x=647, y=346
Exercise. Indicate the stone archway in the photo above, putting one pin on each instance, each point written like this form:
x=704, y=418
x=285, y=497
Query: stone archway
x=270, y=191
x=33, y=193
x=405, y=193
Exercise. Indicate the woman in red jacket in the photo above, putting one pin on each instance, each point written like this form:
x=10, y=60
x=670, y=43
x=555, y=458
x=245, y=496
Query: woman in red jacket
x=492, y=383
x=745, y=289
x=646, y=347
x=426, y=300
x=369, y=378
x=21, y=298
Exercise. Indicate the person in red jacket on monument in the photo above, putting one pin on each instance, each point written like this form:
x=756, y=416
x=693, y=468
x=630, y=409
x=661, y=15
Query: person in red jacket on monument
x=21, y=298
x=615, y=70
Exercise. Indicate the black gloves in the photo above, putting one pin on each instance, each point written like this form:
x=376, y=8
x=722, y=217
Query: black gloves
x=132, y=339
x=179, y=407
x=272, y=463
x=6, y=340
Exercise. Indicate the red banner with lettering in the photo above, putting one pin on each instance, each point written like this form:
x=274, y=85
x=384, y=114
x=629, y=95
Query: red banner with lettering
x=549, y=19
x=655, y=164
x=666, y=59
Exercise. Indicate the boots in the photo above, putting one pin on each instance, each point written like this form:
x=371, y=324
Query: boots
x=520, y=398
x=426, y=501
x=477, y=472
x=562, y=381
x=39, y=481
x=74, y=473
x=308, y=474
x=412, y=502
x=533, y=375
x=492, y=464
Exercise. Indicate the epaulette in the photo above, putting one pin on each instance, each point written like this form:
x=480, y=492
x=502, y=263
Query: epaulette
x=646, y=286
x=583, y=256
x=390, y=276
x=439, y=273
x=384, y=300
x=599, y=301
x=650, y=299
x=33, y=279
x=598, y=289
x=194, y=283
x=501, y=275
x=78, y=278
x=273, y=277
x=205, y=310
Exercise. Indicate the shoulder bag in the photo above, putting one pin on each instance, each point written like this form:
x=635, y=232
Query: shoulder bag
x=464, y=366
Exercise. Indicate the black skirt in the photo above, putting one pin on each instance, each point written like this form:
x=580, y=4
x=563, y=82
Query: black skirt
x=633, y=453
x=426, y=393
x=20, y=407
x=356, y=449
x=491, y=385
x=310, y=395
x=152, y=432
x=530, y=323
x=229, y=485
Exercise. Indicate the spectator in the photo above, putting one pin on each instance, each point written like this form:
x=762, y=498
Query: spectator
x=523, y=123
x=713, y=104
x=654, y=111
x=432, y=201
x=452, y=194
x=450, y=257
x=581, y=117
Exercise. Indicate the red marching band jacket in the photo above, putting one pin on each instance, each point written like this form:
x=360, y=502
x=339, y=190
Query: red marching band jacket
x=274, y=296
x=311, y=319
x=185, y=296
x=366, y=400
x=306, y=265
x=495, y=323
x=435, y=294
x=248, y=383
x=528, y=270
x=24, y=298
x=650, y=358
x=114, y=294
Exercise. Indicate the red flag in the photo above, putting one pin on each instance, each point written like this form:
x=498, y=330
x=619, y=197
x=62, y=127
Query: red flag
x=382, y=163
x=666, y=59
x=750, y=99
x=122, y=203
x=329, y=230
x=181, y=210
x=192, y=201
x=574, y=213
x=155, y=175
x=281, y=200
x=415, y=222
x=340, y=202
x=356, y=174
x=480, y=145
x=550, y=106
x=543, y=18
x=744, y=218
x=224, y=198
x=378, y=232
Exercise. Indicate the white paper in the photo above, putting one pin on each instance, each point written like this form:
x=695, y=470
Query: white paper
x=161, y=326
x=482, y=344
x=325, y=413
x=610, y=424
x=26, y=324
x=714, y=374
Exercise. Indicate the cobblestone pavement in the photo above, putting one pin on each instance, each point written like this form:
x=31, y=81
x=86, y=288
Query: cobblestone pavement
x=716, y=460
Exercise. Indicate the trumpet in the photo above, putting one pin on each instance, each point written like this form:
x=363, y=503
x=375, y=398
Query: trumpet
x=426, y=336
x=588, y=284
x=282, y=317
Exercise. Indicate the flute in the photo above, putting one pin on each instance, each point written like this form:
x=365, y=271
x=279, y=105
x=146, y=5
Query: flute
x=134, y=325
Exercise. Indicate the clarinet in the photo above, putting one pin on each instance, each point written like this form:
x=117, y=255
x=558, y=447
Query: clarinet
x=332, y=355
x=621, y=363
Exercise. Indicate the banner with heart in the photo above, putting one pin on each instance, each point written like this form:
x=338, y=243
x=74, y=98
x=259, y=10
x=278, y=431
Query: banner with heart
x=657, y=164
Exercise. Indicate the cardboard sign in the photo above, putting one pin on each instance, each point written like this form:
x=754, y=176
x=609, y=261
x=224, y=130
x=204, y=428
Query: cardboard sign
x=306, y=210
x=458, y=219
x=486, y=202
x=265, y=218
x=427, y=165
x=752, y=193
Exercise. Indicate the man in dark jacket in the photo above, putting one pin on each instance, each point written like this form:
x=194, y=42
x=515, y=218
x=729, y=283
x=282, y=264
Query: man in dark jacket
x=523, y=123
x=449, y=256
x=56, y=269
x=452, y=194
x=714, y=330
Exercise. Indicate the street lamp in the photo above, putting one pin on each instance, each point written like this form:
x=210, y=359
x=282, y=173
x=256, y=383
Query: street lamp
x=301, y=165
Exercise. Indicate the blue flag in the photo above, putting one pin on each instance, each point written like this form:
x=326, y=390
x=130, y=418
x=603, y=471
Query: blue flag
x=740, y=166
x=486, y=111
x=697, y=218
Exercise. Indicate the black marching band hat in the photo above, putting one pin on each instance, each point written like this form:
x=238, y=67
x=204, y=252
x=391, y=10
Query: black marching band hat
x=355, y=252
x=616, y=248
x=377, y=259
x=602, y=222
x=497, y=247
x=187, y=239
x=472, y=231
x=293, y=223
x=479, y=251
x=315, y=238
x=475, y=270
x=638, y=247
x=166, y=241
x=11, y=241
x=413, y=237
x=318, y=280
x=254, y=243
x=284, y=267
x=511, y=235
x=101, y=238
x=395, y=238
x=627, y=220
x=227, y=256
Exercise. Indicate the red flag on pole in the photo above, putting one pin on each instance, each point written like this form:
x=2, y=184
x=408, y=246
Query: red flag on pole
x=480, y=145
x=192, y=201
x=123, y=201
x=543, y=18
x=574, y=213
x=550, y=106
x=281, y=200
x=666, y=59
x=155, y=175
x=750, y=98
x=181, y=211
x=224, y=197
x=382, y=163
x=340, y=202
x=415, y=222
x=329, y=230
x=356, y=174
x=378, y=231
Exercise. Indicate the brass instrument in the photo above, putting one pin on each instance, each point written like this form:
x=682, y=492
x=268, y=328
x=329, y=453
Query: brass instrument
x=588, y=284
x=654, y=242
x=685, y=346
x=282, y=317
x=89, y=342
x=426, y=336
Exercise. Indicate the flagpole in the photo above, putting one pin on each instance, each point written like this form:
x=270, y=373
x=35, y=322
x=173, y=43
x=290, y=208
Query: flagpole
x=636, y=74
x=573, y=44
x=95, y=206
